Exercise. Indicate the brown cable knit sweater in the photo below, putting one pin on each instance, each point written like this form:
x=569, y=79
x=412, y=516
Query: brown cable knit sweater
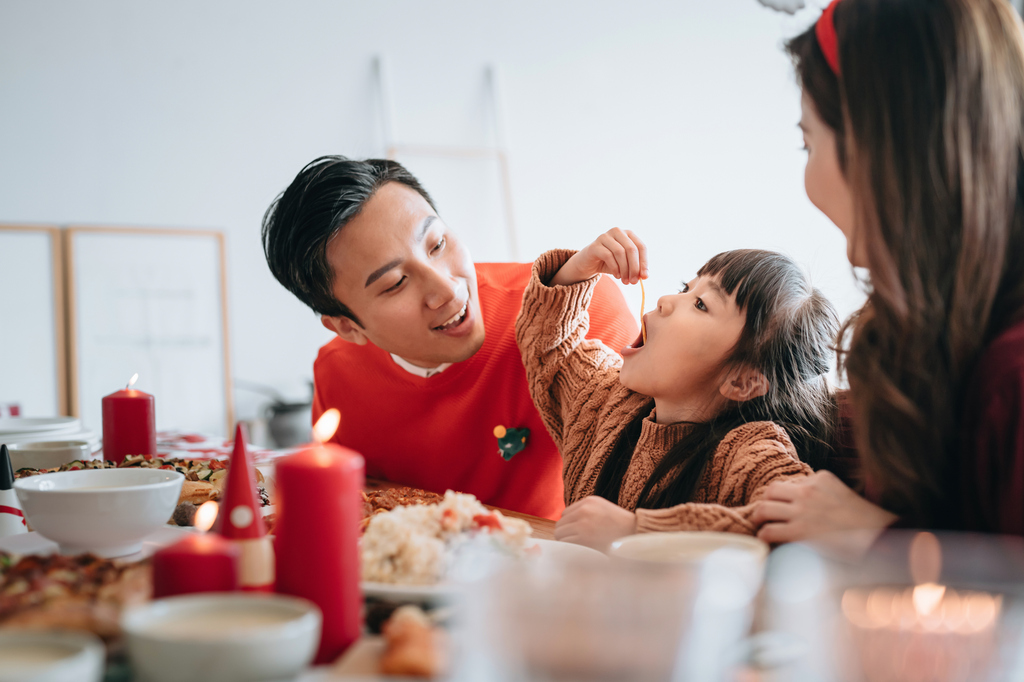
x=575, y=384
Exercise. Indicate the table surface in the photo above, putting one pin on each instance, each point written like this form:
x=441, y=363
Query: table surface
x=543, y=529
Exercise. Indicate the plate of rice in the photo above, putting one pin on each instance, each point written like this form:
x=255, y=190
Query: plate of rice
x=410, y=553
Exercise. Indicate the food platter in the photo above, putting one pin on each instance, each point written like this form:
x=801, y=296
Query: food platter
x=550, y=550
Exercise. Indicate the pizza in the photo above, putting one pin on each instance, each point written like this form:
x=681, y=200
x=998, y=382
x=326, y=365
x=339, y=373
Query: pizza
x=380, y=501
x=81, y=592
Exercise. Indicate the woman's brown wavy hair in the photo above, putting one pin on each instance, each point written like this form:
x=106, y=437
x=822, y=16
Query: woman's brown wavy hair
x=929, y=116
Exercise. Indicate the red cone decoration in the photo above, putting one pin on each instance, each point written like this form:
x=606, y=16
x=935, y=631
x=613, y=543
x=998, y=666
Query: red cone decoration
x=240, y=516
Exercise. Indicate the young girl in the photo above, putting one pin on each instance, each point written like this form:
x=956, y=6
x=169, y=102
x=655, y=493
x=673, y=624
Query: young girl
x=913, y=118
x=685, y=430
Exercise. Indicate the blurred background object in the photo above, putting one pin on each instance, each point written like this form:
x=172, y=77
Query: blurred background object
x=280, y=423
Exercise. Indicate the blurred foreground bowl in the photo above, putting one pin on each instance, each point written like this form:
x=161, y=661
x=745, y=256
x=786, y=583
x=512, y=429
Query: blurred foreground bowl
x=684, y=547
x=51, y=657
x=227, y=637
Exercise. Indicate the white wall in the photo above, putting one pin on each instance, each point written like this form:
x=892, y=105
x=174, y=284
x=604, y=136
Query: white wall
x=675, y=119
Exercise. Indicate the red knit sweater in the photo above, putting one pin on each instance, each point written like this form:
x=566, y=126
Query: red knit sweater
x=438, y=433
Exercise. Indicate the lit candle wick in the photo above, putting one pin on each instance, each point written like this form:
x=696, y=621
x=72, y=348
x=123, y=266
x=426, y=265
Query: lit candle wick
x=131, y=382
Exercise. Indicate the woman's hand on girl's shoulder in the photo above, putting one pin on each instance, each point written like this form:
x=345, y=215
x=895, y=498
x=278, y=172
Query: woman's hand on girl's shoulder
x=594, y=522
x=617, y=252
x=820, y=507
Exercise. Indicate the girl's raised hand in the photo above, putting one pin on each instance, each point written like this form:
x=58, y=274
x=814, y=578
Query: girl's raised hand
x=617, y=252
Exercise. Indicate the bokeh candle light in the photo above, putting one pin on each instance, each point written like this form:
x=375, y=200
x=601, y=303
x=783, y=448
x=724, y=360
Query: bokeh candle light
x=202, y=562
x=129, y=423
x=928, y=632
x=317, y=534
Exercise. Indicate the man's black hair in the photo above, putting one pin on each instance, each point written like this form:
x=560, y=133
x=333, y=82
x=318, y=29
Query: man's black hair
x=322, y=198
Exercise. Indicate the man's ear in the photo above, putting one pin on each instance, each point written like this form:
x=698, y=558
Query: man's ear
x=345, y=328
x=743, y=384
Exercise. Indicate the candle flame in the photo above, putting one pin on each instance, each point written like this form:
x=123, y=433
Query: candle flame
x=206, y=515
x=131, y=382
x=928, y=607
x=927, y=596
x=326, y=425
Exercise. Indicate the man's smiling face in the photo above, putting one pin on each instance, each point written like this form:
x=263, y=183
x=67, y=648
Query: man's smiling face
x=407, y=279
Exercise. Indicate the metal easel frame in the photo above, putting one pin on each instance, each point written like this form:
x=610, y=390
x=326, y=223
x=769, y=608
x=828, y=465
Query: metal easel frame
x=498, y=152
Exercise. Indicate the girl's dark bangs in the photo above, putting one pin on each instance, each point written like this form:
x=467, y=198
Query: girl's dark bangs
x=732, y=269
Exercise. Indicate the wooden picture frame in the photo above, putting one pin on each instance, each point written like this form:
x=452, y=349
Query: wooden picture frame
x=152, y=301
x=32, y=276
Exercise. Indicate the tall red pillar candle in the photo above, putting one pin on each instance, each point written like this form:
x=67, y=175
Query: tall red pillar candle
x=198, y=563
x=129, y=424
x=317, y=538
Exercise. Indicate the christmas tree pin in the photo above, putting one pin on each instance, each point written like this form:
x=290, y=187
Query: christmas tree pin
x=12, y=520
x=241, y=521
x=510, y=441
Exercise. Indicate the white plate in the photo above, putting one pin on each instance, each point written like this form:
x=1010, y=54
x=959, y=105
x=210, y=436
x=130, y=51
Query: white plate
x=40, y=437
x=26, y=425
x=550, y=550
x=34, y=543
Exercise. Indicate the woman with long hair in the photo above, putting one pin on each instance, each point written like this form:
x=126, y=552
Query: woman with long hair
x=913, y=120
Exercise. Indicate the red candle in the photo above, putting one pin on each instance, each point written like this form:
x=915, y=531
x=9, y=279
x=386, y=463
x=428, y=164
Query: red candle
x=129, y=424
x=317, y=537
x=204, y=562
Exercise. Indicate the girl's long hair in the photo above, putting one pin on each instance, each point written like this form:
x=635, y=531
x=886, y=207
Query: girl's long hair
x=788, y=335
x=929, y=113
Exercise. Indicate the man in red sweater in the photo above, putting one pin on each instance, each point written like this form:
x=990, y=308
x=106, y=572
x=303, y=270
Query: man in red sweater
x=425, y=369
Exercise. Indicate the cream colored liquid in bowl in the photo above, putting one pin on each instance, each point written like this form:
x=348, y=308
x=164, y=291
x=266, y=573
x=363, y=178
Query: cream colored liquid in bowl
x=210, y=625
x=31, y=657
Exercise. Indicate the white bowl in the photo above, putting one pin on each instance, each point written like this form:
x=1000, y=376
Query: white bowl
x=48, y=454
x=104, y=511
x=51, y=657
x=229, y=637
x=684, y=547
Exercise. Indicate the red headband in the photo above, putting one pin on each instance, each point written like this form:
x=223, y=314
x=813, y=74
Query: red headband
x=825, y=30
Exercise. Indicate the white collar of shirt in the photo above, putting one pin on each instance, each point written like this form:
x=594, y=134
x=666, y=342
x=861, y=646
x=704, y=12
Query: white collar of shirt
x=424, y=372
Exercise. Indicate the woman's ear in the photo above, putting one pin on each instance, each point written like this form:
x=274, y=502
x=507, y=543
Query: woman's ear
x=345, y=328
x=743, y=384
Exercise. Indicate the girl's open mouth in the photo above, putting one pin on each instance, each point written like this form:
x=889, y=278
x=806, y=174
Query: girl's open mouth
x=635, y=346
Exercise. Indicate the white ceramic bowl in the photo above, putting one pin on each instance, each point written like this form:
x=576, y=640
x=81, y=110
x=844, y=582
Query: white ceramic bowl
x=229, y=637
x=684, y=547
x=104, y=511
x=48, y=454
x=51, y=657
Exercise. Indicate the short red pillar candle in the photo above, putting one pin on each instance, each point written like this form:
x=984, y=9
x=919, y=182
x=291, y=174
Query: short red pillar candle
x=198, y=563
x=317, y=538
x=129, y=424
